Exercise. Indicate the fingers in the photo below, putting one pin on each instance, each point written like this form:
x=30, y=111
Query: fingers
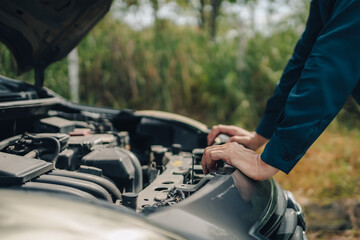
x=211, y=155
x=215, y=153
x=246, y=160
x=231, y=152
x=215, y=130
x=226, y=129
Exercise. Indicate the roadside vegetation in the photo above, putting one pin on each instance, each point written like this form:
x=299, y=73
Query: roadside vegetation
x=214, y=78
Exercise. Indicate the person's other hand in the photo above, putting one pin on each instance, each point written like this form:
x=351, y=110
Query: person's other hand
x=251, y=140
x=238, y=156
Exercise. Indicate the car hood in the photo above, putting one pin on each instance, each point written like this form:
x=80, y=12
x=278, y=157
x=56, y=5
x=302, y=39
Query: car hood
x=41, y=32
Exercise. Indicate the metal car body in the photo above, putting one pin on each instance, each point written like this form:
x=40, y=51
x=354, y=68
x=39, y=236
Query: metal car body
x=69, y=171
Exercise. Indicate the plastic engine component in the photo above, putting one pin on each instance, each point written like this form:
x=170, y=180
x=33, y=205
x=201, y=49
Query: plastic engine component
x=92, y=140
x=114, y=162
x=56, y=125
x=298, y=234
x=16, y=170
x=288, y=225
x=62, y=138
x=65, y=159
x=129, y=200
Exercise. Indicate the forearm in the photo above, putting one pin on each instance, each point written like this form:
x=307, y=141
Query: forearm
x=254, y=167
x=236, y=155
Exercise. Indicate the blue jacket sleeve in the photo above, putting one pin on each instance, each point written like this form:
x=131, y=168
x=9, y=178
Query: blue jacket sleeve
x=356, y=93
x=294, y=67
x=329, y=75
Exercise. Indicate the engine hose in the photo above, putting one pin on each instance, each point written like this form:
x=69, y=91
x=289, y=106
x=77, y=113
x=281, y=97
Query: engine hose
x=52, y=139
x=9, y=141
x=105, y=183
x=138, y=172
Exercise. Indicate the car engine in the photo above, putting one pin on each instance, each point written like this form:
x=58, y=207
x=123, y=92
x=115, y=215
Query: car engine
x=142, y=163
x=82, y=154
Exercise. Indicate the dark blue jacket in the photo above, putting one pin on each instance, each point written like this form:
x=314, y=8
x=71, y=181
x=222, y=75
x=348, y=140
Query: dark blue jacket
x=322, y=73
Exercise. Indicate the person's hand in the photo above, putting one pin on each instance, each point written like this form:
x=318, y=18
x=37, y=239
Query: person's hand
x=251, y=140
x=238, y=156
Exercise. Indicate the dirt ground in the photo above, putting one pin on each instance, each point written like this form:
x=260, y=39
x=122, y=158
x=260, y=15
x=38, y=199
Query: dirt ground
x=336, y=220
x=334, y=235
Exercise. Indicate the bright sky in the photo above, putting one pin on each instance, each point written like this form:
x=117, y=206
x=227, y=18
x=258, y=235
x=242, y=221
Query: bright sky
x=139, y=17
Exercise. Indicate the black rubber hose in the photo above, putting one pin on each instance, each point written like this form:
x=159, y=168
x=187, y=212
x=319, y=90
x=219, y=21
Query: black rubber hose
x=52, y=188
x=138, y=179
x=9, y=141
x=105, y=183
x=89, y=187
x=52, y=139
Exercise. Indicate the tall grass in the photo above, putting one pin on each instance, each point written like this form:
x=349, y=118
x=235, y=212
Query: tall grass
x=179, y=70
x=173, y=68
x=176, y=69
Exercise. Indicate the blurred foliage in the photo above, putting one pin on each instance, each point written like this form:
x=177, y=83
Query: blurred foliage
x=177, y=69
x=180, y=69
x=56, y=75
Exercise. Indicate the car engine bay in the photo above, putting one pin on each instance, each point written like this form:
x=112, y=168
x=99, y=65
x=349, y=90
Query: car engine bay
x=147, y=162
x=82, y=154
x=142, y=163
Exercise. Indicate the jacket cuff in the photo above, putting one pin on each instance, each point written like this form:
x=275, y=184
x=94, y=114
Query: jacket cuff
x=267, y=125
x=281, y=155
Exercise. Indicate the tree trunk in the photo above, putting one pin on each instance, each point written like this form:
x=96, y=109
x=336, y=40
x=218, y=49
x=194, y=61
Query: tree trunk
x=214, y=14
x=155, y=6
x=201, y=21
x=73, y=66
x=242, y=45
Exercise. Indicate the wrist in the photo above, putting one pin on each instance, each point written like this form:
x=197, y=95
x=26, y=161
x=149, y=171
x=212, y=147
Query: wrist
x=264, y=170
x=259, y=140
